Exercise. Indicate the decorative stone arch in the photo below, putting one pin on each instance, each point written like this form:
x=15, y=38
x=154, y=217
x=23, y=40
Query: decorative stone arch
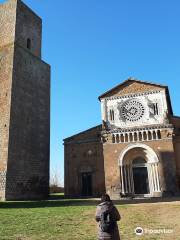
x=152, y=157
x=125, y=162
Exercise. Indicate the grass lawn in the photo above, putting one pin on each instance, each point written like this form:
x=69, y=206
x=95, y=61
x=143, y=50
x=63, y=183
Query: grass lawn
x=74, y=219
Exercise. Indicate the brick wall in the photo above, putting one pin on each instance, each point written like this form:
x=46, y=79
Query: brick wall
x=167, y=167
x=84, y=153
x=28, y=164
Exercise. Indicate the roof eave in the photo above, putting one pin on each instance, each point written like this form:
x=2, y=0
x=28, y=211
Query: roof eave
x=132, y=80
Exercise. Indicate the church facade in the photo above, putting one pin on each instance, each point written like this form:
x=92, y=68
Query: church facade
x=134, y=152
x=24, y=105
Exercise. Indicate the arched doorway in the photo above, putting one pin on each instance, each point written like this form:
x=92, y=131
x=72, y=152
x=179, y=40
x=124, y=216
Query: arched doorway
x=140, y=176
x=139, y=170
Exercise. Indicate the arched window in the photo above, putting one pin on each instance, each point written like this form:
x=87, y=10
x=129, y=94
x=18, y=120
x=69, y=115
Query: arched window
x=154, y=135
x=130, y=137
x=113, y=139
x=159, y=134
x=126, y=137
x=117, y=138
x=149, y=135
x=155, y=108
x=140, y=136
x=111, y=113
x=29, y=43
x=135, y=136
x=122, y=138
x=144, y=135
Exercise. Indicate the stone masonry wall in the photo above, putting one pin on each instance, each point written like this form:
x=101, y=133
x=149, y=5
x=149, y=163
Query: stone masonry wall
x=24, y=105
x=28, y=26
x=28, y=164
x=6, y=65
x=7, y=22
x=7, y=34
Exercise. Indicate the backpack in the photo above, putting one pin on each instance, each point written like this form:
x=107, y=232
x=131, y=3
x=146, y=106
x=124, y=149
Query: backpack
x=106, y=221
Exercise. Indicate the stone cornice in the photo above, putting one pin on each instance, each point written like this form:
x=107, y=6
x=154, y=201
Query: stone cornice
x=133, y=129
x=133, y=95
x=95, y=140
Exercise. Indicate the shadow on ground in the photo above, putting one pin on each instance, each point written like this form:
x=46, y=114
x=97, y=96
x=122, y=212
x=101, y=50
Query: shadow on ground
x=60, y=201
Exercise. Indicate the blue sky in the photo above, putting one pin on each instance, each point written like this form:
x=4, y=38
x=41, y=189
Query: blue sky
x=93, y=45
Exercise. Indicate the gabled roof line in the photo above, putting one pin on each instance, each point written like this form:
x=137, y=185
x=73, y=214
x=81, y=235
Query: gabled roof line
x=84, y=131
x=130, y=80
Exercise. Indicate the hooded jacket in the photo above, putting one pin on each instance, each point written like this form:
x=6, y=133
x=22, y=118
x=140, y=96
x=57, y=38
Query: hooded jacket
x=104, y=206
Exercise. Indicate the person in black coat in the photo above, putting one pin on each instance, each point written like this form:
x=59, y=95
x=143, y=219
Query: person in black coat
x=106, y=205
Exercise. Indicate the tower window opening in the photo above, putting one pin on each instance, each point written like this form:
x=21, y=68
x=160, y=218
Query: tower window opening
x=29, y=43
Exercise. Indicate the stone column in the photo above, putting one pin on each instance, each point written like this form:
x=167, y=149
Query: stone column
x=125, y=179
x=124, y=137
x=137, y=136
x=154, y=177
x=129, y=179
x=152, y=137
x=132, y=180
x=156, y=134
x=142, y=135
x=128, y=137
x=103, y=110
x=133, y=136
x=150, y=179
x=122, y=180
x=115, y=138
x=157, y=177
x=119, y=138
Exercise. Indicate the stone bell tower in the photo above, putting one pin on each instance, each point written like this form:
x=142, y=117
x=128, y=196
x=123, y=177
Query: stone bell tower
x=24, y=105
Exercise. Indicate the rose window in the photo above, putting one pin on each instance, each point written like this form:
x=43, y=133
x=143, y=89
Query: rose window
x=132, y=110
